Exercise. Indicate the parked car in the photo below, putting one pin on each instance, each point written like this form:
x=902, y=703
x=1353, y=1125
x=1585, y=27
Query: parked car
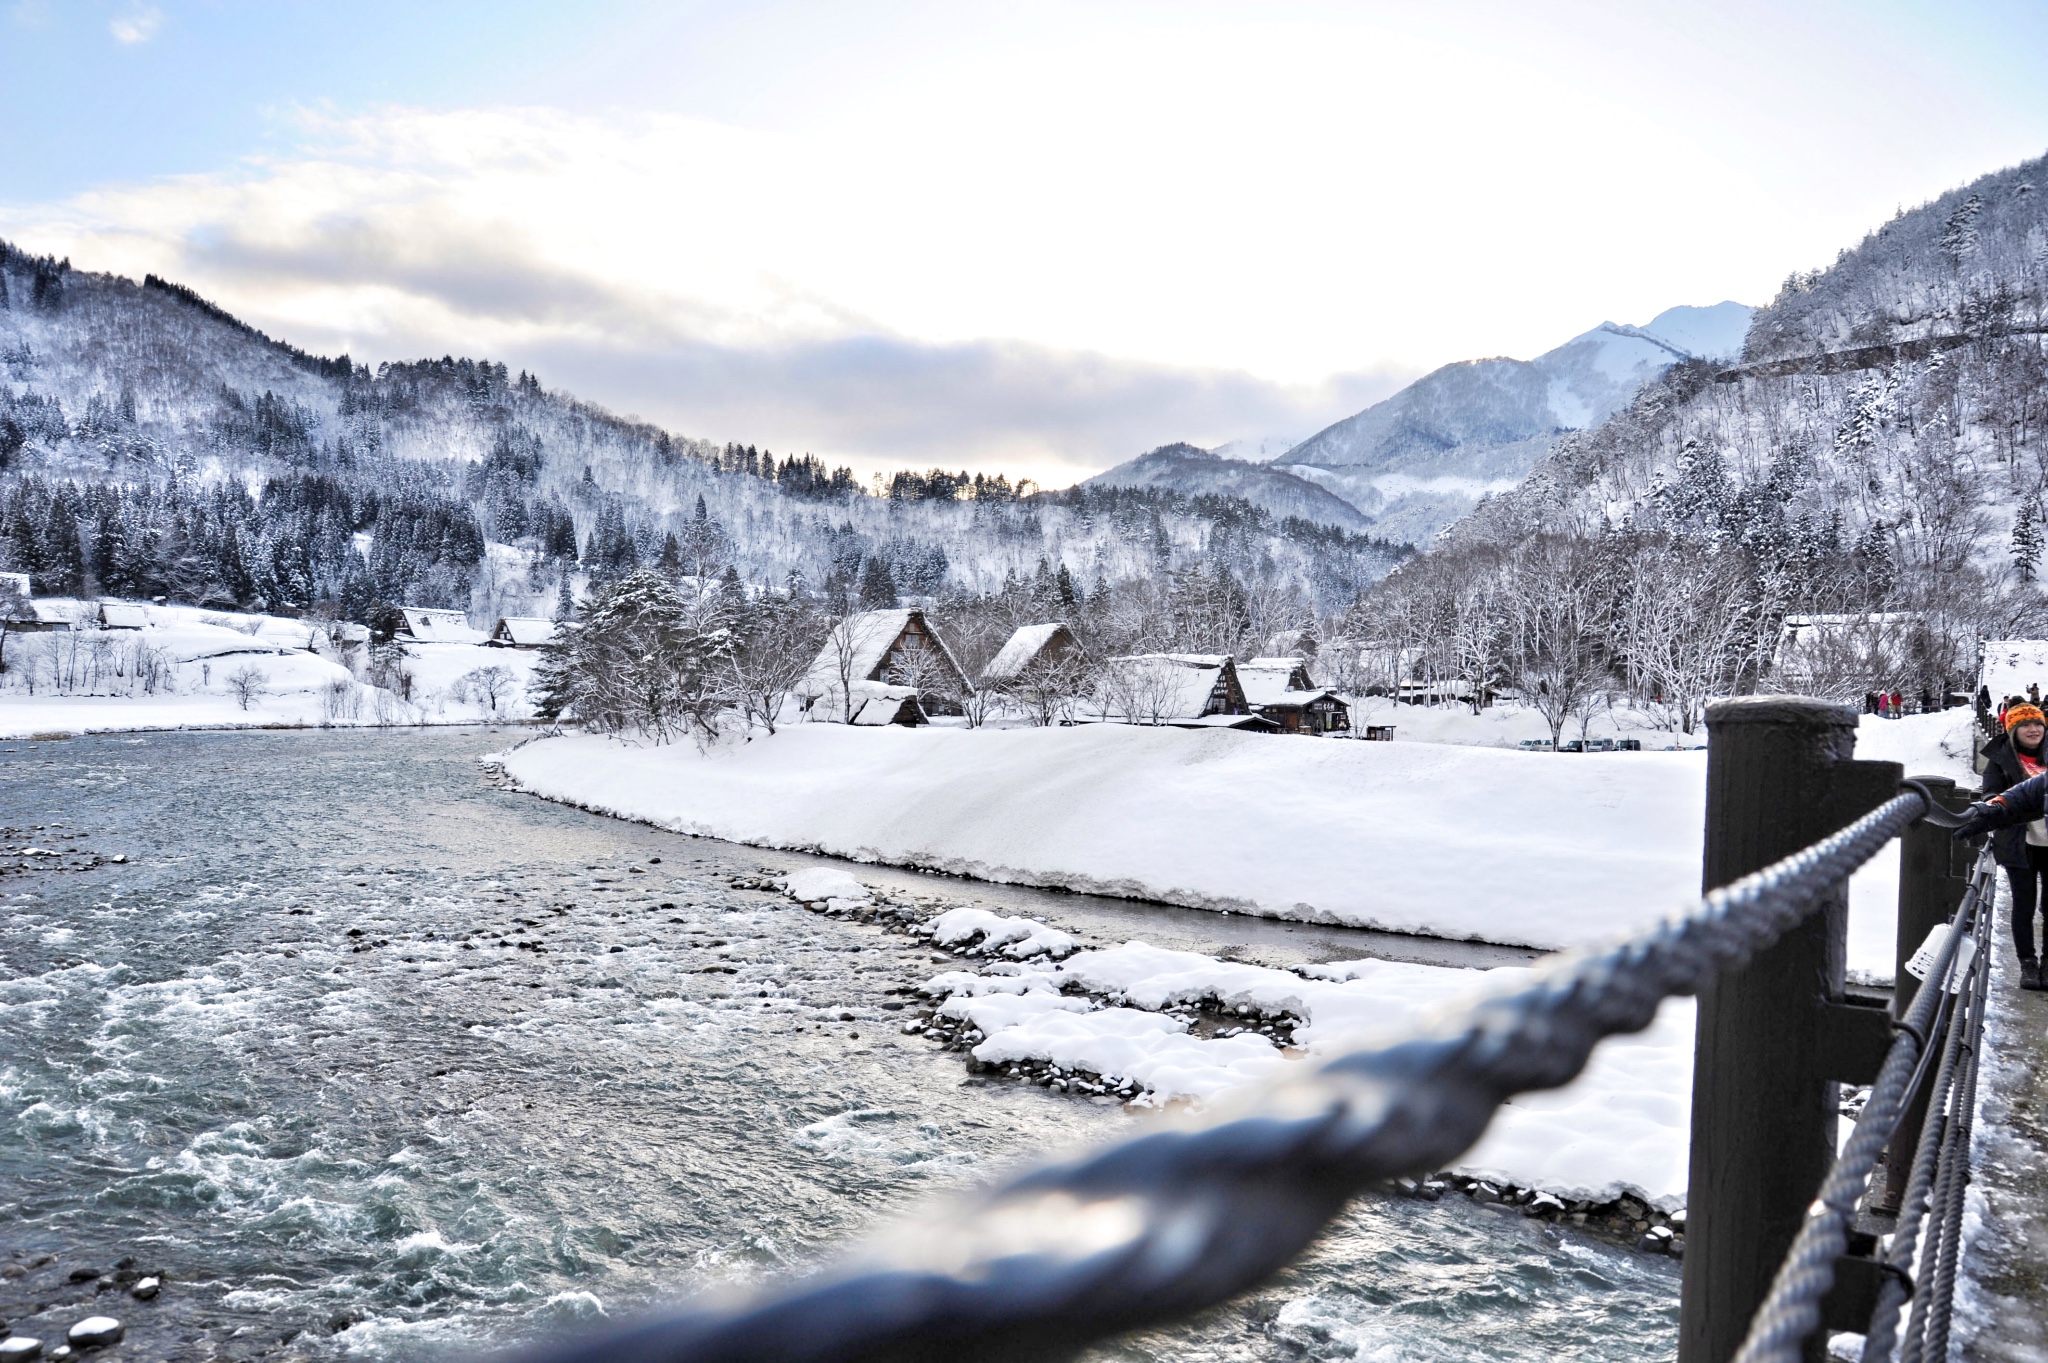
x=1534, y=744
x=1599, y=745
x=1573, y=746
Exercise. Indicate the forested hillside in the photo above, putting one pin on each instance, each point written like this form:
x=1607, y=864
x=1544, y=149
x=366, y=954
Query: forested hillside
x=153, y=445
x=1878, y=453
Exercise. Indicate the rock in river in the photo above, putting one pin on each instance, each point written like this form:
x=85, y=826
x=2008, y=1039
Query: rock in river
x=20, y=1348
x=96, y=1332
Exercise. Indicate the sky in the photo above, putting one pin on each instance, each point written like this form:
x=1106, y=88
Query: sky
x=1040, y=238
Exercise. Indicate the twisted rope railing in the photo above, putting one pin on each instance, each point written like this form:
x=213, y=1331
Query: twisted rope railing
x=1170, y=1222
x=1791, y=1310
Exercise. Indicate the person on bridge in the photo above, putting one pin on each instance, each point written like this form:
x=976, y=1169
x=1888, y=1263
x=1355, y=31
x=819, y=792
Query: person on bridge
x=2016, y=782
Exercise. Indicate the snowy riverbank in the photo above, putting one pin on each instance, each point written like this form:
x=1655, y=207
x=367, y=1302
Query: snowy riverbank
x=192, y=669
x=1152, y=1026
x=1544, y=850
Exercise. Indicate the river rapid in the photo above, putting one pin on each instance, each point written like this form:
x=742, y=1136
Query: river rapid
x=291, y=1055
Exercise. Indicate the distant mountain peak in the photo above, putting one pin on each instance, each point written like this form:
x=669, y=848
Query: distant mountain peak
x=1423, y=457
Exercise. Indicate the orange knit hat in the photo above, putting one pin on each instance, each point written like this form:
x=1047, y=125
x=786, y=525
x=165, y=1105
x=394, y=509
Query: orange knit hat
x=2021, y=714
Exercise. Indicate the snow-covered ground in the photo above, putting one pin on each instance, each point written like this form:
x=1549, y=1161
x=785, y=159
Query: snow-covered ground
x=1545, y=850
x=179, y=670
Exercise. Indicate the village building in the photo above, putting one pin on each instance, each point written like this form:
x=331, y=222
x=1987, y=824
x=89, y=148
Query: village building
x=1039, y=646
x=421, y=625
x=1184, y=690
x=1820, y=654
x=123, y=615
x=522, y=631
x=882, y=656
x=1281, y=690
x=45, y=613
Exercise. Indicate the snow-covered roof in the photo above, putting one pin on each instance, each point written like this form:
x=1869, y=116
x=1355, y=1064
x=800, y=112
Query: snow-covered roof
x=439, y=626
x=867, y=639
x=1170, y=686
x=864, y=638
x=877, y=711
x=1022, y=650
x=523, y=631
x=63, y=610
x=1275, y=681
x=1256, y=723
x=123, y=615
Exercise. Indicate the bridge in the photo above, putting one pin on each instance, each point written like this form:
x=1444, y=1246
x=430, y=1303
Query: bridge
x=1793, y=1234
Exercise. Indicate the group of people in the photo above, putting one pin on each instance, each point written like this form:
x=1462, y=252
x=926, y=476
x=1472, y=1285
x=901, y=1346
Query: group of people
x=1891, y=705
x=2033, y=697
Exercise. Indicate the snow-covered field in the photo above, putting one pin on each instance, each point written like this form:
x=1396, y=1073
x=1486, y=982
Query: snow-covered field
x=1545, y=850
x=179, y=670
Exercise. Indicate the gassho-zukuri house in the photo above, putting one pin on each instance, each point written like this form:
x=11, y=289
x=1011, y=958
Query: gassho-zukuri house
x=1181, y=691
x=1281, y=690
x=423, y=625
x=1031, y=647
x=882, y=667
x=522, y=631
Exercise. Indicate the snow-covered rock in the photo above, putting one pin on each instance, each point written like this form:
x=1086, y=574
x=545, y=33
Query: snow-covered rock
x=96, y=1332
x=816, y=884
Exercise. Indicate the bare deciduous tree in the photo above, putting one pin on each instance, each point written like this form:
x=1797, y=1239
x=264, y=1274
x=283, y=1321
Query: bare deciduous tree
x=246, y=683
x=491, y=687
x=773, y=651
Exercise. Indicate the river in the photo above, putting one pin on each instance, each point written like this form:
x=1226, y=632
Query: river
x=288, y=1054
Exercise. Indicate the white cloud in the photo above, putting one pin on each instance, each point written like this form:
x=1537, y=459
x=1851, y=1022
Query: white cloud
x=138, y=25
x=1184, y=221
x=726, y=282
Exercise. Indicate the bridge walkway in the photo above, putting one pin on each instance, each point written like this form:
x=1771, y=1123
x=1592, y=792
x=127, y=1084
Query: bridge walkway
x=2012, y=1255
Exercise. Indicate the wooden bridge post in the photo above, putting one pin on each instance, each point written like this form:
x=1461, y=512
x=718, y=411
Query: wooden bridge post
x=1933, y=873
x=1774, y=1035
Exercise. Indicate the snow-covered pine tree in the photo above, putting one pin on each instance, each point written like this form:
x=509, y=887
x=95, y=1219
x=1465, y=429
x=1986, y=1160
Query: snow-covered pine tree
x=2026, y=540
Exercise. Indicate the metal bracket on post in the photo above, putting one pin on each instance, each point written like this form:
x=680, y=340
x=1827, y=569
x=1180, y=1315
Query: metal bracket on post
x=1772, y=1035
x=1933, y=874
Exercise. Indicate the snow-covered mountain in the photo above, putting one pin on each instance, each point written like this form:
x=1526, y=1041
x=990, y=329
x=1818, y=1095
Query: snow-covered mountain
x=1199, y=472
x=1420, y=459
x=1256, y=449
x=153, y=445
x=1877, y=461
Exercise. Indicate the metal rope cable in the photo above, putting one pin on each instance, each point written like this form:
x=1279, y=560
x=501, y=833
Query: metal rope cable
x=1882, y=1338
x=1791, y=1310
x=1935, y=1297
x=1173, y=1221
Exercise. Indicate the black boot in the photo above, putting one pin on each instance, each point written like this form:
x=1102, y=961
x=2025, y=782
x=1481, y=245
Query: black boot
x=2030, y=974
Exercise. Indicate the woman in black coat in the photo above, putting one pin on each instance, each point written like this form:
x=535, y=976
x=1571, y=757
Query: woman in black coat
x=2022, y=849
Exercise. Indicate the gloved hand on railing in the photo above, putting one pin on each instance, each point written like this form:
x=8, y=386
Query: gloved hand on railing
x=1980, y=819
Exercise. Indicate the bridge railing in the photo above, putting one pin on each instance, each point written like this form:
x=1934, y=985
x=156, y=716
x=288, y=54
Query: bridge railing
x=1176, y=1219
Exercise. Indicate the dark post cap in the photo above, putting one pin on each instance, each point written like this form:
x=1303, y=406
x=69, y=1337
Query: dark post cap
x=1804, y=711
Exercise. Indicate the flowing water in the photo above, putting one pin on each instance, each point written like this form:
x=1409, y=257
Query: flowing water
x=290, y=1054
